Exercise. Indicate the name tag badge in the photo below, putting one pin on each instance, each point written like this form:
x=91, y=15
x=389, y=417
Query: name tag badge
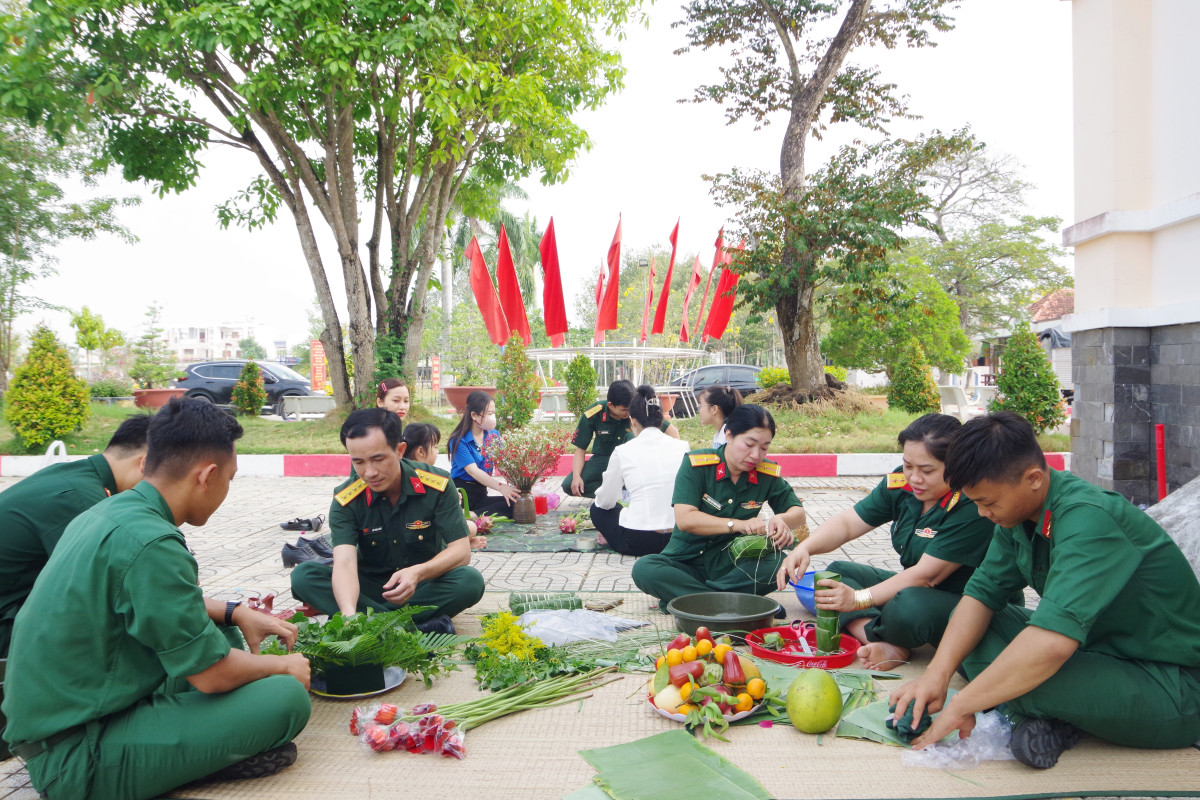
x=712, y=502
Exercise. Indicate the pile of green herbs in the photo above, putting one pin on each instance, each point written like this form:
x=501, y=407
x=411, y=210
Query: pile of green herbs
x=387, y=639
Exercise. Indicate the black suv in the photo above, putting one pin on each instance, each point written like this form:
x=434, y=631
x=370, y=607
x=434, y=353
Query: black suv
x=214, y=380
x=743, y=377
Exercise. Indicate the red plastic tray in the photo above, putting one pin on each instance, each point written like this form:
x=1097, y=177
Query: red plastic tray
x=794, y=655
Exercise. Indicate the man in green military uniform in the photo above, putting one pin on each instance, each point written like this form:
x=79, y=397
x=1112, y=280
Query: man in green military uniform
x=35, y=512
x=607, y=423
x=399, y=535
x=1113, y=648
x=718, y=497
x=121, y=684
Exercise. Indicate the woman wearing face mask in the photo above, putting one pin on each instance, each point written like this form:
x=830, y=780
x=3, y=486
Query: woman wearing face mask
x=469, y=469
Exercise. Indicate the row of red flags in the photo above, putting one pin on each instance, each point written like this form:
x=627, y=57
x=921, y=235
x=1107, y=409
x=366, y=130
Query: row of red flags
x=504, y=311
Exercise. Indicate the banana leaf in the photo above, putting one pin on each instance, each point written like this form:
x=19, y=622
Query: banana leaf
x=669, y=766
x=589, y=792
x=828, y=626
x=520, y=602
x=869, y=722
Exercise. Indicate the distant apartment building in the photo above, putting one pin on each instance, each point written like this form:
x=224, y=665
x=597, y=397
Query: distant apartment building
x=209, y=343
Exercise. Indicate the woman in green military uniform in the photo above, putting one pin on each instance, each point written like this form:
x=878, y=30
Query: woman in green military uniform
x=607, y=423
x=718, y=496
x=937, y=533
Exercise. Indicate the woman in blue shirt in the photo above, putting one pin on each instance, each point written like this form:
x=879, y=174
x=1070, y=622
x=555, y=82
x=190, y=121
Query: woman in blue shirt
x=470, y=471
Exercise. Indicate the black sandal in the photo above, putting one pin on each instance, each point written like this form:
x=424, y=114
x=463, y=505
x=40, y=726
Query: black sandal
x=301, y=524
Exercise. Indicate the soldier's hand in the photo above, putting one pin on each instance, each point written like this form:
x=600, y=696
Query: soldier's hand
x=792, y=568
x=297, y=666
x=400, y=587
x=577, y=486
x=256, y=626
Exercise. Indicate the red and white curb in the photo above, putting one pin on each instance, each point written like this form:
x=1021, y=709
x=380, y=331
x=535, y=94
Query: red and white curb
x=794, y=465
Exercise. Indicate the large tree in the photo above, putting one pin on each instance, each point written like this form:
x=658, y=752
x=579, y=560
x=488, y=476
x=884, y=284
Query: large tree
x=791, y=58
x=363, y=117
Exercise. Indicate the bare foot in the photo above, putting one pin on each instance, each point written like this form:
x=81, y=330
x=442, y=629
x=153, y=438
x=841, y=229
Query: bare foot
x=600, y=540
x=478, y=542
x=882, y=656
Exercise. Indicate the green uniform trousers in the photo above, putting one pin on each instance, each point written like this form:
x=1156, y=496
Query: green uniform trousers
x=593, y=476
x=450, y=594
x=913, y=617
x=714, y=570
x=1148, y=704
x=167, y=740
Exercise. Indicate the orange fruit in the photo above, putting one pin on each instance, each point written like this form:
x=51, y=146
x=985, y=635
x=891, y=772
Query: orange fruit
x=756, y=688
x=685, y=691
x=719, y=652
x=689, y=653
x=674, y=658
x=703, y=647
x=744, y=702
x=661, y=660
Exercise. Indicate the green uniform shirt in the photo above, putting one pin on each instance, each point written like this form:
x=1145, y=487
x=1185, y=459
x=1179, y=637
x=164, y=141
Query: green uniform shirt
x=1108, y=576
x=118, y=611
x=414, y=530
x=951, y=530
x=33, y=515
x=703, y=481
x=597, y=422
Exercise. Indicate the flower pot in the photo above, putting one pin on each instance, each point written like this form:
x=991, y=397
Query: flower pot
x=668, y=402
x=155, y=398
x=524, y=511
x=457, y=395
x=353, y=680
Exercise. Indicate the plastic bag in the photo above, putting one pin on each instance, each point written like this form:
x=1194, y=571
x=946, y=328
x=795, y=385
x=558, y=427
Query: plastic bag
x=988, y=742
x=559, y=626
x=56, y=453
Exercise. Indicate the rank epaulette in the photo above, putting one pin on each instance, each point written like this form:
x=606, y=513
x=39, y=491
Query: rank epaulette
x=896, y=480
x=704, y=459
x=770, y=468
x=593, y=411
x=433, y=481
x=350, y=492
x=951, y=500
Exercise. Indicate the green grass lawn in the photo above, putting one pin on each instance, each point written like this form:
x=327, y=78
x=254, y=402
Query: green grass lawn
x=806, y=430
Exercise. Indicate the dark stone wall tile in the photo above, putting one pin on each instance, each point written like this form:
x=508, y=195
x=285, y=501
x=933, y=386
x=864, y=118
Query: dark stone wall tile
x=1131, y=336
x=1166, y=393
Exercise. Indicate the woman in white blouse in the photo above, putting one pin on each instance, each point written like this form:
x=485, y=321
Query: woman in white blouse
x=646, y=467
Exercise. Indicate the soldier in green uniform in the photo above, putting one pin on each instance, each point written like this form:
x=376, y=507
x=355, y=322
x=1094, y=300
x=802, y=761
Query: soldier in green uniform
x=608, y=423
x=718, y=496
x=1113, y=648
x=399, y=535
x=121, y=684
x=937, y=533
x=35, y=512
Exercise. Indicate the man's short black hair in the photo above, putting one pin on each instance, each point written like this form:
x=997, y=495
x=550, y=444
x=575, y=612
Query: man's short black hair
x=360, y=422
x=185, y=431
x=130, y=436
x=620, y=393
x=995, y=447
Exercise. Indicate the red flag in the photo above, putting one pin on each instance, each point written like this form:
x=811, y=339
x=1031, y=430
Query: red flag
x=722, y=306
x=718, y=257
x=597, y=334
x=606, y=316
x=552, y=292
x=509, y=290
x=660, y=315
x=485, y=295
x=649, y=298
x=697, y=276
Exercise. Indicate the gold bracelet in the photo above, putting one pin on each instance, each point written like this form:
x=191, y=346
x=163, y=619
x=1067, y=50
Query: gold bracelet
x=863, y=599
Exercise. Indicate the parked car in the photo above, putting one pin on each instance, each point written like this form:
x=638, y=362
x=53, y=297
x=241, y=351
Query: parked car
x=743, y=377
x=214, y=381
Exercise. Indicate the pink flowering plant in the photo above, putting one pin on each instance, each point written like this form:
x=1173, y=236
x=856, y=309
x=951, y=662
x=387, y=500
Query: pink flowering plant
x=527, y=455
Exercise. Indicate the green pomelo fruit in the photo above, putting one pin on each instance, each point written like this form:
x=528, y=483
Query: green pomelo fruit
x=814, y=701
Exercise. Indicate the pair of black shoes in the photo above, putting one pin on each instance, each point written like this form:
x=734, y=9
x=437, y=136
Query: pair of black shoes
x=318, y=549
x=258, y=766
x=1038, y=743
x=302, y=524
x=439, y=624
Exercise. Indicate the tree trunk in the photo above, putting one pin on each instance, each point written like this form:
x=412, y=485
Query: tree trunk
x=331, y=337
x=447, y=306
x=806, y=369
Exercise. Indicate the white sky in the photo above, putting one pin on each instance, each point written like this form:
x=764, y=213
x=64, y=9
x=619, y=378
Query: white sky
x=1005, y=71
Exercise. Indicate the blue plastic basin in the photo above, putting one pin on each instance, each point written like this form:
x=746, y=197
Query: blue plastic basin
x=804, y=591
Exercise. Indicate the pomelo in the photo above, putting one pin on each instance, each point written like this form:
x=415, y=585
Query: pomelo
x=814, y=701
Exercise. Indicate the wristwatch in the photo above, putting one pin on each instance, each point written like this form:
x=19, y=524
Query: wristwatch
x=729, y=525
x=229, y=607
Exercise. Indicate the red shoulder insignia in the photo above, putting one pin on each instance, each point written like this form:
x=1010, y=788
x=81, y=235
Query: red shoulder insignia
x=1046, y=524
x=950, y=500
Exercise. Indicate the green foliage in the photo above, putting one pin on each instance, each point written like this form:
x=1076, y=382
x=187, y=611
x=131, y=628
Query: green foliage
x=517, y=387
x=45, y=399
x=772, y=376
x=154, y=363
x=839, y=373
x=110, y=387
x=252, y=349
x=472, y=354
x=249, y=394
x=389, y=359
x=1027, y=384
x=912, y=388
x=581, y=384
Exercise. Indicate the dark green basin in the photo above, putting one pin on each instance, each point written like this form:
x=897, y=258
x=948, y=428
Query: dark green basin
x=722, y=612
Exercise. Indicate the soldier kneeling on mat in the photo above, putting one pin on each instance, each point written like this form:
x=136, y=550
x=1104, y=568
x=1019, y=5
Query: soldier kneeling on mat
x=1113, y=648
x=122, y=681
x=399, y=535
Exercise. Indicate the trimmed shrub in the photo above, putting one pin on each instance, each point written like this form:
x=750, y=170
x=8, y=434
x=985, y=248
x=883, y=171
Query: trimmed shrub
x=581, y=384
x=45, y=399
x=249, y=394
x=1027, y=384
x=110, y=387
x=912, y=388
x=154, y=361
x=516, y=388
x=773, y=376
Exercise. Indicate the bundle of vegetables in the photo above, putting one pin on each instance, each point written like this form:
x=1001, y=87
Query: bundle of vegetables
x=707, y=682
x=430, y=729
x=386, y=639
x=520, y=602
x=505, y=655
x=829, y=632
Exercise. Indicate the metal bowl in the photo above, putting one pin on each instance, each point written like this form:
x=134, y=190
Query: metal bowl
x=722, y=612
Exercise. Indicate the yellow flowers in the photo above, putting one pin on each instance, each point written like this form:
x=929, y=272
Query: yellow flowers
x=502, y=633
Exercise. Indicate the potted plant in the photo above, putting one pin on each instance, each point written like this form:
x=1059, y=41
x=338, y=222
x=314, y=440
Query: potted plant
x=153, y=365
x=524, y=457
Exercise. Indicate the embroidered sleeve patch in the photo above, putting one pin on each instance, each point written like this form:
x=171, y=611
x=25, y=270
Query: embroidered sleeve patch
x=350, y=492
x=433, y=481
x=896, y=480
x=593, y=411
x=770, y=468
x=704, y=459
